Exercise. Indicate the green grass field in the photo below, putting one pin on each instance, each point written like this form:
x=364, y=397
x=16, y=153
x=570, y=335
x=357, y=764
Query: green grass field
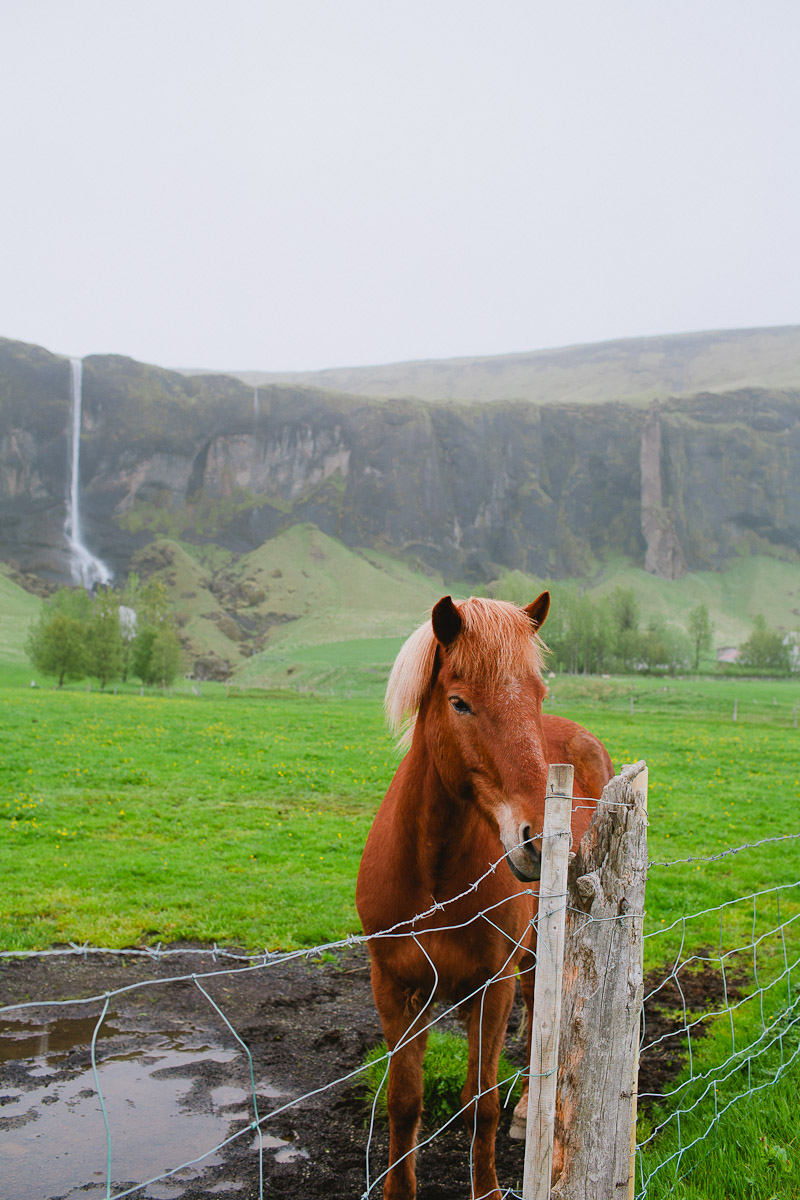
x=239, y=818
x=112, y=801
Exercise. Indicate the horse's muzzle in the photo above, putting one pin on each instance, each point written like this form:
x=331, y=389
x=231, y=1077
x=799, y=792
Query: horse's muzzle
x=528, y=867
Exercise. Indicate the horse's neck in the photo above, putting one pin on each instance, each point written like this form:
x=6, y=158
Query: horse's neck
x=444, y=831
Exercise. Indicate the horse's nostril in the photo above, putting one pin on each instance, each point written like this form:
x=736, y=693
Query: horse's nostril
x=525, y=835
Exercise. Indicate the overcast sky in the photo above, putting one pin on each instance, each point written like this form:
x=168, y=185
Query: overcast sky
x=309, y=183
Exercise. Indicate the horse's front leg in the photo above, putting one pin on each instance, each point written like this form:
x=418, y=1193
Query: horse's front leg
x=487, y=1018
x=398, y=1012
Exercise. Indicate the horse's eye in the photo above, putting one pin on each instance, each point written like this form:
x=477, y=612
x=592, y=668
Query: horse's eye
x=460, y=705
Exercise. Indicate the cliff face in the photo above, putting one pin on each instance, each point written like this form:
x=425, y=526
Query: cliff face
x=462, y=488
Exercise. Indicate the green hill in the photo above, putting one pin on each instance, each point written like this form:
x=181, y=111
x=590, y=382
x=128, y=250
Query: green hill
x=305, y=611
x=749, y=587
x=18, y=609
x=277, y=609
x=321, y=652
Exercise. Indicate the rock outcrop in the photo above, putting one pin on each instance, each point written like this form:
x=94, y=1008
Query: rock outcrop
x=663, y=556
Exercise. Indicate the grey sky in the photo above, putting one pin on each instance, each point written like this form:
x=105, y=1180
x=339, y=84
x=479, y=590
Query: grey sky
x=311, y=183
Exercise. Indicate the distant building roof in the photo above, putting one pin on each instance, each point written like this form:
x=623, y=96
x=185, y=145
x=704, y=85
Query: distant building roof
x=728, y=654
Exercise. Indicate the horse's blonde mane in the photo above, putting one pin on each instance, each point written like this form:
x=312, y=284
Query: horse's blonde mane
x=496, y=642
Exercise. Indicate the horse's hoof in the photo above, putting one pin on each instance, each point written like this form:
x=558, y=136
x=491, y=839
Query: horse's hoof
x=517, y=1130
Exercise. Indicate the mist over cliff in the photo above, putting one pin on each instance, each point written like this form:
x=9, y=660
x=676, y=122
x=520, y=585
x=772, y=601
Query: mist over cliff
x=466, y=489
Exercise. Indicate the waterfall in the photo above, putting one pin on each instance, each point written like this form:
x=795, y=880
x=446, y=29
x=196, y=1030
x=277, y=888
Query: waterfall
x=86, y=569
x=255, y=403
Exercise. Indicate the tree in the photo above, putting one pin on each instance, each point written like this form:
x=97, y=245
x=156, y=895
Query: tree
x=140, y=652
x=56, y=645
x=699, y=628
x=165, y=656
x=664, y=647
x=156, y=655
x=104, y=644
x=624, y=609
x=128, y=620
x=73, y=602
x=765, y=650
x=627, y=648
x=151, y=647
x=153, y=606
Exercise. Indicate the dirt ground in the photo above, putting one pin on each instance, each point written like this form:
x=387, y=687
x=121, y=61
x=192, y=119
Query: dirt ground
x=306, y=1023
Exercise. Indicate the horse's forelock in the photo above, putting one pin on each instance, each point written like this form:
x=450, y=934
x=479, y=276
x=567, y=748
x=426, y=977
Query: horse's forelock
x=410, y=679
x=497, y=642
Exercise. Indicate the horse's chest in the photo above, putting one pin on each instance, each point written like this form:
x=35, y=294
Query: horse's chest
x=459, y=958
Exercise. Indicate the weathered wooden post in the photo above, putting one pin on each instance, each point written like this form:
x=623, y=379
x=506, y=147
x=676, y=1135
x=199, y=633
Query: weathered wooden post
x=595, y=1122
x=556, y=837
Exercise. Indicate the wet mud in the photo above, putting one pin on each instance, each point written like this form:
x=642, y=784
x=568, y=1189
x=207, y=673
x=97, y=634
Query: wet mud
x=177, y=1082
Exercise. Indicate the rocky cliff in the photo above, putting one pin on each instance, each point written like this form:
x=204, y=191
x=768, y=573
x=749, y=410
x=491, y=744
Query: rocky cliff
x=462, y=488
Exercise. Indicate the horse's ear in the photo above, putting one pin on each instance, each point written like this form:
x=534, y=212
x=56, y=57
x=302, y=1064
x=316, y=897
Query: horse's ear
x=446, y=621
x=538, y=610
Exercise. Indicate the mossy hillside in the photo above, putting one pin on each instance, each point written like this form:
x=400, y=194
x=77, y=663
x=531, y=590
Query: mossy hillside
x=730, y=475
x=468, y=488
x=145, y=408
x=301, y=589
x=334, y=590
x=303, y=610
x=197, y=608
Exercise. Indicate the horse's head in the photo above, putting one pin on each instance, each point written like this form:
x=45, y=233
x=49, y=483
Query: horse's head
x=481, y=713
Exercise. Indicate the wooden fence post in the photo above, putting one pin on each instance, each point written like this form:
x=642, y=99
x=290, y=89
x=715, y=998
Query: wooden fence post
x=556, y=837
x=639, y=789
x=602, y=999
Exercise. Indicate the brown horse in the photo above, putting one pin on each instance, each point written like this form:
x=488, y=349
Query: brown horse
x=470, y=790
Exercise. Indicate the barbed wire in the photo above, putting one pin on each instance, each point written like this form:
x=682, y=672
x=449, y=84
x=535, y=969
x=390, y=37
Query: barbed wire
x=783, y=837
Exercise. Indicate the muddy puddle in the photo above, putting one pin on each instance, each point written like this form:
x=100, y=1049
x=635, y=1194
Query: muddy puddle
x=168, y=1099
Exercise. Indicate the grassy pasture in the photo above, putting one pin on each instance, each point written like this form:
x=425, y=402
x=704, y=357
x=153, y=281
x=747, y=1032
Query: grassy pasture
x=240, y=819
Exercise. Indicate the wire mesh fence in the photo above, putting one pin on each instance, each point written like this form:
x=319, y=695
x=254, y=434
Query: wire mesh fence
x=735, y=1025
x=721, y=1026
